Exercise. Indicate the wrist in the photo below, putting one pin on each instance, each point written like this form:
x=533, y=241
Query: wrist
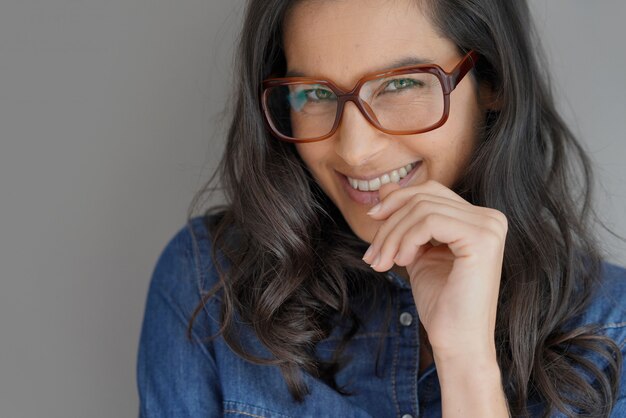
x=467, y=356
x=469, y=365
x=469, y=370
x=471, y=385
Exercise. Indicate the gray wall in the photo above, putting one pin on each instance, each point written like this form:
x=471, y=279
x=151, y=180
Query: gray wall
x=109, y=121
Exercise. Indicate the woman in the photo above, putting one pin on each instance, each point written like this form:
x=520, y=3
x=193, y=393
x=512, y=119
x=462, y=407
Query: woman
x=402, y=235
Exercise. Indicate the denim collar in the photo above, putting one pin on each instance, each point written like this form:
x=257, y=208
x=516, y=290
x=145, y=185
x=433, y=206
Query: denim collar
x=397, y=280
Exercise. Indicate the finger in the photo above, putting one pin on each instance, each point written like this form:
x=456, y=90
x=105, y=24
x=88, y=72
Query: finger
x=386, y=189
x=416, y=207
x=406, y=251
x=397, y=197
x=394, y=242
x=463, y=239
x=389, y=202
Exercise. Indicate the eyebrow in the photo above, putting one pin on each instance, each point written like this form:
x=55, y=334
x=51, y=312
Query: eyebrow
x=401, y=62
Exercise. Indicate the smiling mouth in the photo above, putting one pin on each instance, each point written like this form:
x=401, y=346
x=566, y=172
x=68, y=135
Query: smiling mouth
x=374, y=184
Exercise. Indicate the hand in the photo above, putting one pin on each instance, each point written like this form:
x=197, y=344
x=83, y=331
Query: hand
x=456, y=284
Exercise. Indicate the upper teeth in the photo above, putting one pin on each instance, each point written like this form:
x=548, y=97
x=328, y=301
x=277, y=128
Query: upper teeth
x=374, y=184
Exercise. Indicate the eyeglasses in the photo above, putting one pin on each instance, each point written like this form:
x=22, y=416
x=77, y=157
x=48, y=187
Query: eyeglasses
x=404, y=101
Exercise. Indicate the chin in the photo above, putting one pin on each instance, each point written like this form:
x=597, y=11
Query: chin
x=362, y=226
x=354, y=214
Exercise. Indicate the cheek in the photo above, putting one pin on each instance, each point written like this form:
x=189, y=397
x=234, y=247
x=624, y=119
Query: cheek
x=448, y=150
x=304, y=152
x=314, y=157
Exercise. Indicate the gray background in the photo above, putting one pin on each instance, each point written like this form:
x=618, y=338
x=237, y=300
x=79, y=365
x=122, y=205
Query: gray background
x=110, y=121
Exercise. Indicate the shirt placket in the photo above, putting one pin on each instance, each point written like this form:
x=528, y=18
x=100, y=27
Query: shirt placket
x=406, y=353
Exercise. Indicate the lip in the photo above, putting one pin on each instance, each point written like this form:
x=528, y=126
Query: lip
x=371, y=198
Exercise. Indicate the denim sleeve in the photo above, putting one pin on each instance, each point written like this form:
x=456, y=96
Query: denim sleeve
x=175, y=377
x=612, y=301
x=619, y=409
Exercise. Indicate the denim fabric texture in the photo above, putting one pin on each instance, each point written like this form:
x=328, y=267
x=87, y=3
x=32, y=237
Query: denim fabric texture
x=178, y=378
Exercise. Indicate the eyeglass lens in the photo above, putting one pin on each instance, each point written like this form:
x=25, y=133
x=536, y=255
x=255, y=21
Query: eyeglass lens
x=405, y=102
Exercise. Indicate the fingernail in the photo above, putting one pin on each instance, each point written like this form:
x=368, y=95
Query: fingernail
x=374, y=210
x=368, y=253
x=376, y=261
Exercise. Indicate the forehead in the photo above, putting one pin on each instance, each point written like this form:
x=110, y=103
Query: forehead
x=345, y=39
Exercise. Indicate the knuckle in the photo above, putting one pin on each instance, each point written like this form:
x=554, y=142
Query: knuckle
x=505, y=222
x=421, y=204
x=497, y=218
x=493, y=224
x=431, y=219
x=489, y=238
x=432, y=184
x=417, y=197
x=498, y=214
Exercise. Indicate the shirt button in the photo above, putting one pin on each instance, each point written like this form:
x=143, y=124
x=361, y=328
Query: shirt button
x=406, y=319
x=407, y=416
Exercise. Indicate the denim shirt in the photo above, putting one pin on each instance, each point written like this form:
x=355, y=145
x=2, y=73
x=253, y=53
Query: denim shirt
x=177, y=378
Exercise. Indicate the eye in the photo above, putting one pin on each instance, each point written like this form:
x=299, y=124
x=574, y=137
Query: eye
x=402, y=84
x=309, y=95
x=319, y=94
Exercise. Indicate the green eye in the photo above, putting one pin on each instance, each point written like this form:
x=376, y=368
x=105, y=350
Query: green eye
x=319, y=94
x=402, y=83
x=299, y=98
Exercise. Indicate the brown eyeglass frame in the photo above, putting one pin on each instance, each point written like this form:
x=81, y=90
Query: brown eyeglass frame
x=448, y=81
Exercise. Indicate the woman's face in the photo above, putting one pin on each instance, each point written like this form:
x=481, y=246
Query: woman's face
x=343, y=40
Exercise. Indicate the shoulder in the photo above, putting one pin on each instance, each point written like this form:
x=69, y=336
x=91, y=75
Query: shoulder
x=182, y=276
x=174, y=376
x=608, y=310
x=185, y=263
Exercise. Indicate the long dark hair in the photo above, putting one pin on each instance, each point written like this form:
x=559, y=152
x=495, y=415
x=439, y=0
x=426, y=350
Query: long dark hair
x=293, y=265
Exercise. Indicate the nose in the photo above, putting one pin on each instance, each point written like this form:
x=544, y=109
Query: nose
x=357, y=141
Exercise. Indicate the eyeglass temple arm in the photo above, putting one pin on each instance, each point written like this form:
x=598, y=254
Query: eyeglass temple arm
x=463, y=68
